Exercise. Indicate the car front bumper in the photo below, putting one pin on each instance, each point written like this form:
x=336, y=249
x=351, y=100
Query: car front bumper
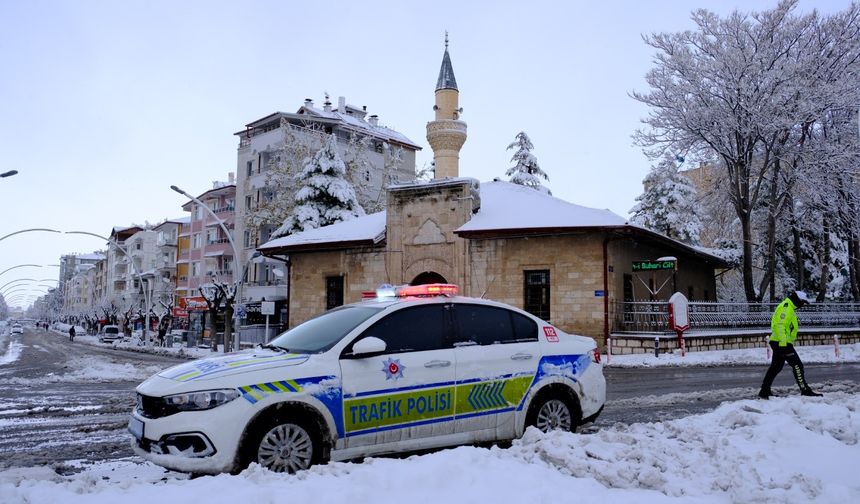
x=192, y=441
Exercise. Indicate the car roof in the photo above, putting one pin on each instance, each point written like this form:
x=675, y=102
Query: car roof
x=418, y=300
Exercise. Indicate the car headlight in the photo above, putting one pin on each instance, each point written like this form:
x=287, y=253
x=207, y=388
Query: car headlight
x=203, y=400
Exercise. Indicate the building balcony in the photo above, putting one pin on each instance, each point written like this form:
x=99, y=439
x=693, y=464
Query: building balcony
x=227, y=209
x=168, y=241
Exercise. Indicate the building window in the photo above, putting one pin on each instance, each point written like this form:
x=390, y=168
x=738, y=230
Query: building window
x=247, y=239
x=137, y=246
x=196, y=241
x=250, y=166
x=247, y=202
x=690, y=292
x=333, y=292
x=536, y=293
x=195, y=268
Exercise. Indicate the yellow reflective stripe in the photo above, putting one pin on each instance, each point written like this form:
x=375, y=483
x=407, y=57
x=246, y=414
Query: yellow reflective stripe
x=270, y=386
x=295, y=385
x=187, y=376
x=281, y=387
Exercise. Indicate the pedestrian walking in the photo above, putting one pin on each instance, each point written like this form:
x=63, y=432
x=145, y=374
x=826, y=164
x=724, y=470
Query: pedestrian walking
x=72, y=333
x=783, y=326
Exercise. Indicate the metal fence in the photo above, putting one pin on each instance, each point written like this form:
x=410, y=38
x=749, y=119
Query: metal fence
x=653, y=316
x=256, y=334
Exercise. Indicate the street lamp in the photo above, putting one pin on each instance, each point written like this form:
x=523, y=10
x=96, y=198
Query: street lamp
x=47, y=230
x=236, y=279
x=136, y=272
x=20, y=266
x=8, y=173
x=17, y=280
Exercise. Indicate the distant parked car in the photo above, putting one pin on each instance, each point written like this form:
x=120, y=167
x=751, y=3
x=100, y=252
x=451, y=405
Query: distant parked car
x=110, y=333
x=17, y=329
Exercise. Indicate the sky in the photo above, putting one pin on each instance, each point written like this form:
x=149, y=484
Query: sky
x=104, y=105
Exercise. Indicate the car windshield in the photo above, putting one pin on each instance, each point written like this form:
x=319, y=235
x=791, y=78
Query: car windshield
x=111, y=330
x=321, y=333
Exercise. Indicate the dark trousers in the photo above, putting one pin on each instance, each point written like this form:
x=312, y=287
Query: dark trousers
x=781, y=355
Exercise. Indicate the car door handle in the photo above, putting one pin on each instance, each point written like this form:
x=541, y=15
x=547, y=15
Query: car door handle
x=521, y=356
x=437, y=363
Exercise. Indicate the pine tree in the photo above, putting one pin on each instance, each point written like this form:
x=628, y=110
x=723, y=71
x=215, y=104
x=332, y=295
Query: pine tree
x=526, y=171
x=668, y=204
x=325, y=196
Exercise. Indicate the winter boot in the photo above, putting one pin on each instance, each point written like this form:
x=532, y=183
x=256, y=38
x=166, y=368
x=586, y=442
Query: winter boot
x=765, y=393
x=809, y=392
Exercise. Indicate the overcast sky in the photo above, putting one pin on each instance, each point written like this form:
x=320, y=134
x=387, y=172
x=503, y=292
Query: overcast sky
x=105, y=104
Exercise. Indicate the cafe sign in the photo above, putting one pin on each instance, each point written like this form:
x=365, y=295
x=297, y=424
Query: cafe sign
x=654, y=265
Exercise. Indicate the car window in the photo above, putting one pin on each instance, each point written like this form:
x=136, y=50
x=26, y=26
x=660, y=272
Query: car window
x=412, y=329
x=111, y=330
x=322, y=332
x=487, y=325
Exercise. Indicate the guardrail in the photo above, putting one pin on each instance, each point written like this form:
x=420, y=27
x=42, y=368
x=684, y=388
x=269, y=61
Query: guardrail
x=653, y=316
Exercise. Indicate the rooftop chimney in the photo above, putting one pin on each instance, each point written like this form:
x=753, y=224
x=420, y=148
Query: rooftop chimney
x=309, y=102
x=327, y=104
x=374, y=120
x=341, y=104
x=231, y=178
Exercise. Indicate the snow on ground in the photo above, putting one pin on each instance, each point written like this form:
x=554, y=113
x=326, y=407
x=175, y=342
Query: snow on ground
x=793, y=450
x=92, y=369
x=12, y=351
x=808, y=354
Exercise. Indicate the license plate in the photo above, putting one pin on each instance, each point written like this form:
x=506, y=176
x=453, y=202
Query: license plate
x=135, y=427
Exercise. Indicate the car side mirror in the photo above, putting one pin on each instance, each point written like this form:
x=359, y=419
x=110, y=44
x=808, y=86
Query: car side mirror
x=368, y=345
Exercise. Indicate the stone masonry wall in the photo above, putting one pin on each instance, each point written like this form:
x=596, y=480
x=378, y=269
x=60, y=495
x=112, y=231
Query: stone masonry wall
x=638, y=344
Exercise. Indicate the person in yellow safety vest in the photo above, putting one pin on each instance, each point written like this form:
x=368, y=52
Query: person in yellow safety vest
x=783, y=328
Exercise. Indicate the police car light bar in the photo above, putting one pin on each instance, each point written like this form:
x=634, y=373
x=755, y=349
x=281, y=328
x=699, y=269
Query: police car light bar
x=426, y=290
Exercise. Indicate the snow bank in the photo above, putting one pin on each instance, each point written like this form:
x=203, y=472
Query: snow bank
x=13, y=351
x=783, y=450
x=808, y=354
x=94, y=369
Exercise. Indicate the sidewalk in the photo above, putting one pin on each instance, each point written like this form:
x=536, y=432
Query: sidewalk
x=808, y=354
x=175, y=351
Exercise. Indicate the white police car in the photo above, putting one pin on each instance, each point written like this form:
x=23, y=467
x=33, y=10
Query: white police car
x=416, y=367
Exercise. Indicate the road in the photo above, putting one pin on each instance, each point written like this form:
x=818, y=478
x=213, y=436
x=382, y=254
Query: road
x=59, y=401
x=63, y=404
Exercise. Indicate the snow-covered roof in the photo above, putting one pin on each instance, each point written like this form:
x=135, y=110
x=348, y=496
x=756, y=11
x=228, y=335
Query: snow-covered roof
x=336, y=116
x=367, y=230
x=506, y=206
x=506, y=209
x=93, y=256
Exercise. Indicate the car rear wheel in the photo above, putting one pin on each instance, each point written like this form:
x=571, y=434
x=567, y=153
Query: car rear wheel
x=553, y=410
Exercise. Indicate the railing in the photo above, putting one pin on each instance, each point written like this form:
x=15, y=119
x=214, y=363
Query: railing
x=265, y=283
x=256, y=333
x=226, y=208
x=653, y=316
x=166, y=242
x=219, y=273
x=218, y=240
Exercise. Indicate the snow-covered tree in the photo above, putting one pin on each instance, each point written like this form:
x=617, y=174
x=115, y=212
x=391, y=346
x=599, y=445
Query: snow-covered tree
x=325, y=196
x=751, y=92
x=526, y=170
x=283, y=164
x=668, y=204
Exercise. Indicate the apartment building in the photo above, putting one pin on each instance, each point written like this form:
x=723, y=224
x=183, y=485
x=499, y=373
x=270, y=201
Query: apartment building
x=263, y=140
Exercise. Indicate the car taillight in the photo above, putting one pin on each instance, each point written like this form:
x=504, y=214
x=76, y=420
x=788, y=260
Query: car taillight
x=595, y=356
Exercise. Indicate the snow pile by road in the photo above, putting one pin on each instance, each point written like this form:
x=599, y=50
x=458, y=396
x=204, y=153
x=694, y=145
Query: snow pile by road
x=808, y=354
x=783, y=450
x=93, y=369
x=12, y=353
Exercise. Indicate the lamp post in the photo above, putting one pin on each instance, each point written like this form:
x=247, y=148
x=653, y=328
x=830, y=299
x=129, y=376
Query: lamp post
x=8, y=173
x=136, y=272
x=15, y=281
x=20, y=266
x=47, y=230
x=236, y=279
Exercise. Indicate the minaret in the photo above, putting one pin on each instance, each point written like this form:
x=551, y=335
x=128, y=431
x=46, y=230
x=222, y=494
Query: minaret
x=447, y=133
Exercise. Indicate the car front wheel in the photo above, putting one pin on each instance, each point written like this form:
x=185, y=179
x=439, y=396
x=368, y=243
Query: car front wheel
x=284, y=445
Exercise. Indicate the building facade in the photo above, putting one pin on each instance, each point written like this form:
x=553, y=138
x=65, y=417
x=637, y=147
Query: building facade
x=389, y=156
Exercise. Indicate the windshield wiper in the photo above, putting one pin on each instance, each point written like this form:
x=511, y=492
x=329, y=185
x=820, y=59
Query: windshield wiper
x=274, y=347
